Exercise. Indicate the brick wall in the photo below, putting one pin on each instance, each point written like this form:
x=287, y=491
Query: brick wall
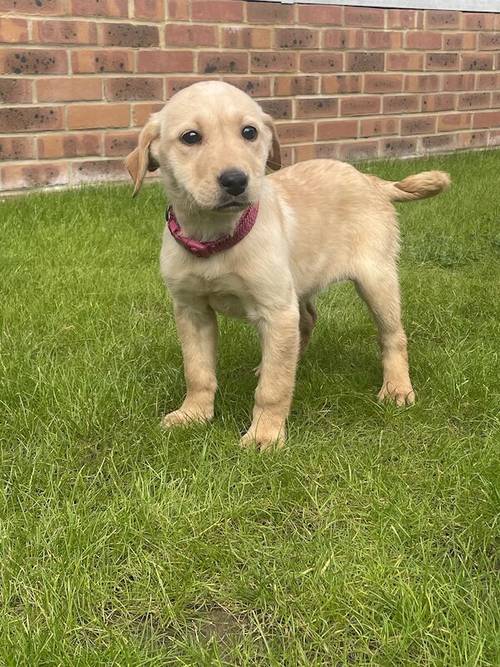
x=79, y=77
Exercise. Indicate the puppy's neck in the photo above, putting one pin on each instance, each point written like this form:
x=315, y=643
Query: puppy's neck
x=203, y=225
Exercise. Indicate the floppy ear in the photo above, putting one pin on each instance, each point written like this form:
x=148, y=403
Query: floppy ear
x=274, y=157
x=140, y=160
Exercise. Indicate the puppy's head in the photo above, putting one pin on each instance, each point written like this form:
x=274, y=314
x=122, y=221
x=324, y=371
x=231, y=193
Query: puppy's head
x=212, y=143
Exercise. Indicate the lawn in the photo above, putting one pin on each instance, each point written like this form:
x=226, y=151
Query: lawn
x=371, y=539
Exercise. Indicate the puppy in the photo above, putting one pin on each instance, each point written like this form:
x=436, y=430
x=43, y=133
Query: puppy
x=259, y=247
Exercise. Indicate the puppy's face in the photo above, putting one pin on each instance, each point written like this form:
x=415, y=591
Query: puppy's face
x=211, y=142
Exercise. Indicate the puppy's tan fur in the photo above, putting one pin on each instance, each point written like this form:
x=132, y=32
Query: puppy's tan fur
x=319, y=222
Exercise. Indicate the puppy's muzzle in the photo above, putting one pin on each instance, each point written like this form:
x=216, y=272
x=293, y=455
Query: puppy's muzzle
x=233, y=181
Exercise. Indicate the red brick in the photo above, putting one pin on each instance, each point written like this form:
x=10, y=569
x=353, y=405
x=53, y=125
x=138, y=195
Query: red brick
x=33, y=61
x=316, y=107
x=89, y=116
x=486, y=119
x=327, y=151
x=359, y=150
x=16, y=148
x=129, y=35
x=423, y=40
x=293, y=133
x=321, y=62
x=18, y=177
x=142, y=111
x=422, y=83
x=47, y=8
x=159, y=62
x=269, y=12
x=13, y=31
x=149, y=9
x=104, y=8
x=134, y=88
x=343, y=39
x=362, y=61
x=120, y=143
x=472, y=139
x=337, y=129
x=442, y=20
x=305, y=152
x=190, y=35
x=360, y=105
x=485, y=81
x=405, y=61
x=286, y=155
x=24, y=119
x=438, y=143
x=64, y=32
x=227, y=63
x=364, y=17
x=296, y=85
x=254, y=86
x=225, y=11
x=460, y=41
x=383, y=39
x=68, y=90
x=398, y=147
x=91, y=62
x=489, y=41
x=273, y=62
x=458, y=82
x=372, y=127
x=68, y=145
x=402, y=18
x=494, y=139
x=238, y=37
x=341, y=84
x=476, y=61
x=401, y=103
x=418, y=125
x=442, y=102
x=320, y=15
x=15, y=91
x=474, y=101
x=495, y=99
x=179, y=10
x=296, y=38
x=176, y=83
x=278, y=109
x=451, y=122
x=383, y=83
x=441, y=61
x=479, y=21
x=99, y=170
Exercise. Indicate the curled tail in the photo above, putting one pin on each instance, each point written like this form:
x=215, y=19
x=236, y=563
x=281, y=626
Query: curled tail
x=418, y=186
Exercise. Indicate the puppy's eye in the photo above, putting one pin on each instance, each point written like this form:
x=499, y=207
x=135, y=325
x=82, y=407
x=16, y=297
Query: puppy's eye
x=191, y=137
x=249, y=132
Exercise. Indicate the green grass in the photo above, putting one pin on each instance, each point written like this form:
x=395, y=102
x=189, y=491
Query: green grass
x=371, y=539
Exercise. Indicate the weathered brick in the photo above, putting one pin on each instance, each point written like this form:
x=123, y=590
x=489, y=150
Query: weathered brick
x=179, y=10
x=442, y=20
x=359, y=150
x=442, y=61
x=24, y=119
x=474, y=101
x=459, y=41
x=329, y=151
x=476, y=61
x=296, y=38
x=13, y=31
x=337, y=129
x=405, y=61
x=442, y=102
x=422, y=83
x=120, y=143
x=364, y=17
x=478, y=21
x=20, y=177
x=229, y=62
x=142, y=111
x=489, y=40
x=343, y=39
x=190, y=35
x=15, y=91
x=458, y=82
x=360, y=105
x=320, y=15
x=261, y=61
x=383, y=83
x=451, y=122
x=134, y=88
x=68, y=90
x=254, y=86
x=372, y=127
x=68, y=145
x=227, y=11
x=485, y=119
x=89, y=116
x=129, y=35
x=149, y=9
x=293, y=133
x=64, y=32
x=278, y=109
x=316, y=107
x=47, y=7
x=269, y=12
x=398, y=147
x=438, y=143
x=296, y=85
x=99, y=170
x=402, y=18
x=365, y=62
x=383, y=39
x=91, y=62
x=418, y=125
x=341, y=84
x=321, y=62
x=33, y=61
x=237, y=37
x=159, y=62
x=401, y=103
x=472, y=139
x=104, y=8
x=16, y=148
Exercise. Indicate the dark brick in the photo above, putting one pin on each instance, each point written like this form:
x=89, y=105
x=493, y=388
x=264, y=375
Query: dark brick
x=126, y=34
x=365, y=62
x=134, y=88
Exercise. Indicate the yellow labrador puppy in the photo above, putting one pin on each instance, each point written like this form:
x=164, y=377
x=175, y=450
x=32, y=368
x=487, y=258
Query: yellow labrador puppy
x=260, y=247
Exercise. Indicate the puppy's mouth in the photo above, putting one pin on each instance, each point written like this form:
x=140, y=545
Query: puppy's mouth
x=232, y=205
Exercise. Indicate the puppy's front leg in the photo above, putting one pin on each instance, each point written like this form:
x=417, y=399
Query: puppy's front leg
x=197, y=329
x=273, y=396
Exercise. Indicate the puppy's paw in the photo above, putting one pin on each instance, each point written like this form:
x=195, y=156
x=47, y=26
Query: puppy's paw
x=183, y=418
x=264, y=438
x=399, y=393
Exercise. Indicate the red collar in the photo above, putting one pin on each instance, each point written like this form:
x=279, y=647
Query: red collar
x=208, y=248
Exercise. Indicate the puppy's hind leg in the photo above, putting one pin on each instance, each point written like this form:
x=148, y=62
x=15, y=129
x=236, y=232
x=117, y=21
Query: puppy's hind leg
x=308, y=317
x=379, y=288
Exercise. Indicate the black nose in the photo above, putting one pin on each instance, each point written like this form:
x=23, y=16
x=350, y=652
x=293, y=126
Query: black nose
x=233, y=181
